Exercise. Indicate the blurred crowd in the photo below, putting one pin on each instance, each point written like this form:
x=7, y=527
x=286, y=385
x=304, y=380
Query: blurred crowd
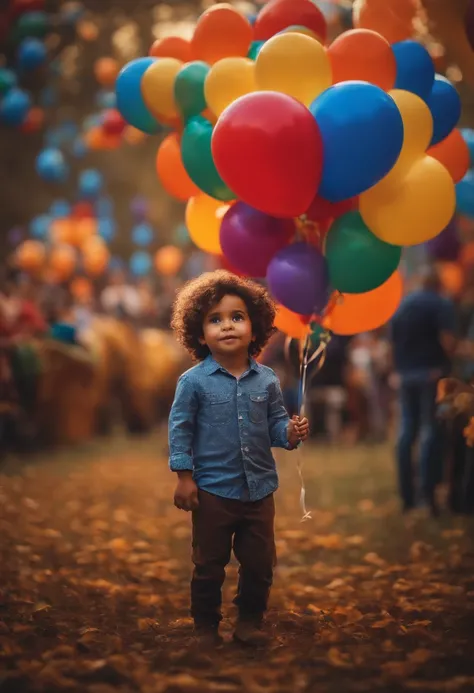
x=359, y=395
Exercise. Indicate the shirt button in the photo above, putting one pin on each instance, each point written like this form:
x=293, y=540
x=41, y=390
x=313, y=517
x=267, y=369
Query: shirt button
x=240, y=418
x=239, y=394
x=246, y=449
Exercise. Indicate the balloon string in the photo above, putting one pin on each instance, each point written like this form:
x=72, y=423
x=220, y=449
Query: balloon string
x=305, y=361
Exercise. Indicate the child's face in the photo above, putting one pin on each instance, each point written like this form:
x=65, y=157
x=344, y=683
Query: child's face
x=227, y=328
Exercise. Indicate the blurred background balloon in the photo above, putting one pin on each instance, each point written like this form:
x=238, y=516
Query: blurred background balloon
x=168, y=260
x=445, y=246
x=465, y=195
x=51, y=166
x=90, y=183
x=141, y=263
x=393, y=19
x=31, y=54
x=14, y=106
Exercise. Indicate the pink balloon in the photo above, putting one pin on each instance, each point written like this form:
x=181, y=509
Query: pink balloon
x=249, y=238
x=268, y=149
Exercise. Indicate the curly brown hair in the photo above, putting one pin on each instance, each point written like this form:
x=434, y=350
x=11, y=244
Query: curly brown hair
x=198, y=296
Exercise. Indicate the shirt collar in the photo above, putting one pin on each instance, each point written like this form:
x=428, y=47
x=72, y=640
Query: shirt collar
x=210, y=365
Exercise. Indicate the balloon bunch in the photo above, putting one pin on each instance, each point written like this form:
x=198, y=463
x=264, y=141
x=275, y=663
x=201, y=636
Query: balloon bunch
x=309, y=165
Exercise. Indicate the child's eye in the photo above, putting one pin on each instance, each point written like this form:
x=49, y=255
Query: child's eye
x=214, y=320
x=237, y=318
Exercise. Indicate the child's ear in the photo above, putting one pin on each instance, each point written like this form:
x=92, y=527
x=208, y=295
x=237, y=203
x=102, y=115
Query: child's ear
x=202, y=340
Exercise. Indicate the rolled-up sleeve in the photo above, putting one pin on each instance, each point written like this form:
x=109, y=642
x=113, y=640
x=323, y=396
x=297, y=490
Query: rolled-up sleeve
x=181, y=426
x=278, y=418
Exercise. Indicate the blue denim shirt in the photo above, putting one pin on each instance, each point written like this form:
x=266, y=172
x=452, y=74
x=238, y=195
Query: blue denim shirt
x=223, y=428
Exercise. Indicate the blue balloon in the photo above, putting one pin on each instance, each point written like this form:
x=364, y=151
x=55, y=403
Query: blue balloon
x=362, y=132
x=445, y=106
x=104, y=207
x=107, y=229
x=15, y=106
x=465, y=195
x=8, y=80
x=79, y=148
x=415, y=68
x=31, y=54
x=142, y=234
x=39, y=226
x=468, y=136
x=51, y=166
x=60, y=209
x=106, y=99
x=140, y=263
x=90, y=183
x=130, y=101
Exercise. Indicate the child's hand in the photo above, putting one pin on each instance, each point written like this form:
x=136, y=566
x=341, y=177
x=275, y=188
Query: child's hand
x=186, y=494
x=298, y=430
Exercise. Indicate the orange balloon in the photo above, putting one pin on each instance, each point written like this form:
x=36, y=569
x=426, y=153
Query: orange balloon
x=355, y=313
x=391, y=18
x=466, y=255
x=221, y=32
x=87, y=30
x=171, y=47
x=362, y=54
x=62, y=261
x=451, y=276
x=106, y=71
x=168, y=260
x=83, y=231
x=62, y=231
x=97, y=139
x=171, y=171
x=30, y=256
x=291, y=324
x=453, y=153
x=81, y=287
x=134, y=136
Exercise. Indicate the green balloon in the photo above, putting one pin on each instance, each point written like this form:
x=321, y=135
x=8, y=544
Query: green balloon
x=254, y=50
x=198, y=162
x=30, y=24
x=189, y=88
x=357, y=260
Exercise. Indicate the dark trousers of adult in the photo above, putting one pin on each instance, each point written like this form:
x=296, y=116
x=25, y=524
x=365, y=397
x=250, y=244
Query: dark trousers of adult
x=461, y=478
x=418, y=422
x=220, y=525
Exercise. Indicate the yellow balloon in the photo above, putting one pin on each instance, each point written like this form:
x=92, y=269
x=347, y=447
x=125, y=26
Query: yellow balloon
x=417, y=126
x=412, y=208
x=204, y=216
x=228, y=79
x=294, y=64
x=158, y=87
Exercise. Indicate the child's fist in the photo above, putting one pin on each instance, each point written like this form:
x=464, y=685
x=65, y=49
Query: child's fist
x=186, y=494
x=298, y=431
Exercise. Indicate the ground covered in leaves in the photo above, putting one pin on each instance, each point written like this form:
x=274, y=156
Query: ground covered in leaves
x=94, y=572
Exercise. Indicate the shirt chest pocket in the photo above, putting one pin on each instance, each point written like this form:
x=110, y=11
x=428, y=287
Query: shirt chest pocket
x=258, y=407
x=217, y=408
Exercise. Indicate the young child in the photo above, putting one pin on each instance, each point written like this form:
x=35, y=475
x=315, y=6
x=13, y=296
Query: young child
x=226, y=416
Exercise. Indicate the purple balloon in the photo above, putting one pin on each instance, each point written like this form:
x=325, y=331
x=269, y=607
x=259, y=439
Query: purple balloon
x=469, y=23
x=446, y=245
x=139, y=207
x=249, y=238
x=298, y=279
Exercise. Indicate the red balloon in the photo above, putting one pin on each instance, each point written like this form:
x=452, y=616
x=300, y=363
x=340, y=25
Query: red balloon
x=323, y=210
x=113, y=123
x=83, y=210
x=268, y=149
x=20, y=6
x=280, y=14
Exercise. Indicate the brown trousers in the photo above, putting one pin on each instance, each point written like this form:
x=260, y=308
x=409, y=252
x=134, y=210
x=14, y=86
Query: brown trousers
x=220, y=525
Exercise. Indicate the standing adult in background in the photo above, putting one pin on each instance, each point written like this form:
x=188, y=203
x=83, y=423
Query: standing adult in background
x=423, y=342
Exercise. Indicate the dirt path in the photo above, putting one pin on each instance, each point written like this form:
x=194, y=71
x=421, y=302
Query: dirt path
x=94, y=570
